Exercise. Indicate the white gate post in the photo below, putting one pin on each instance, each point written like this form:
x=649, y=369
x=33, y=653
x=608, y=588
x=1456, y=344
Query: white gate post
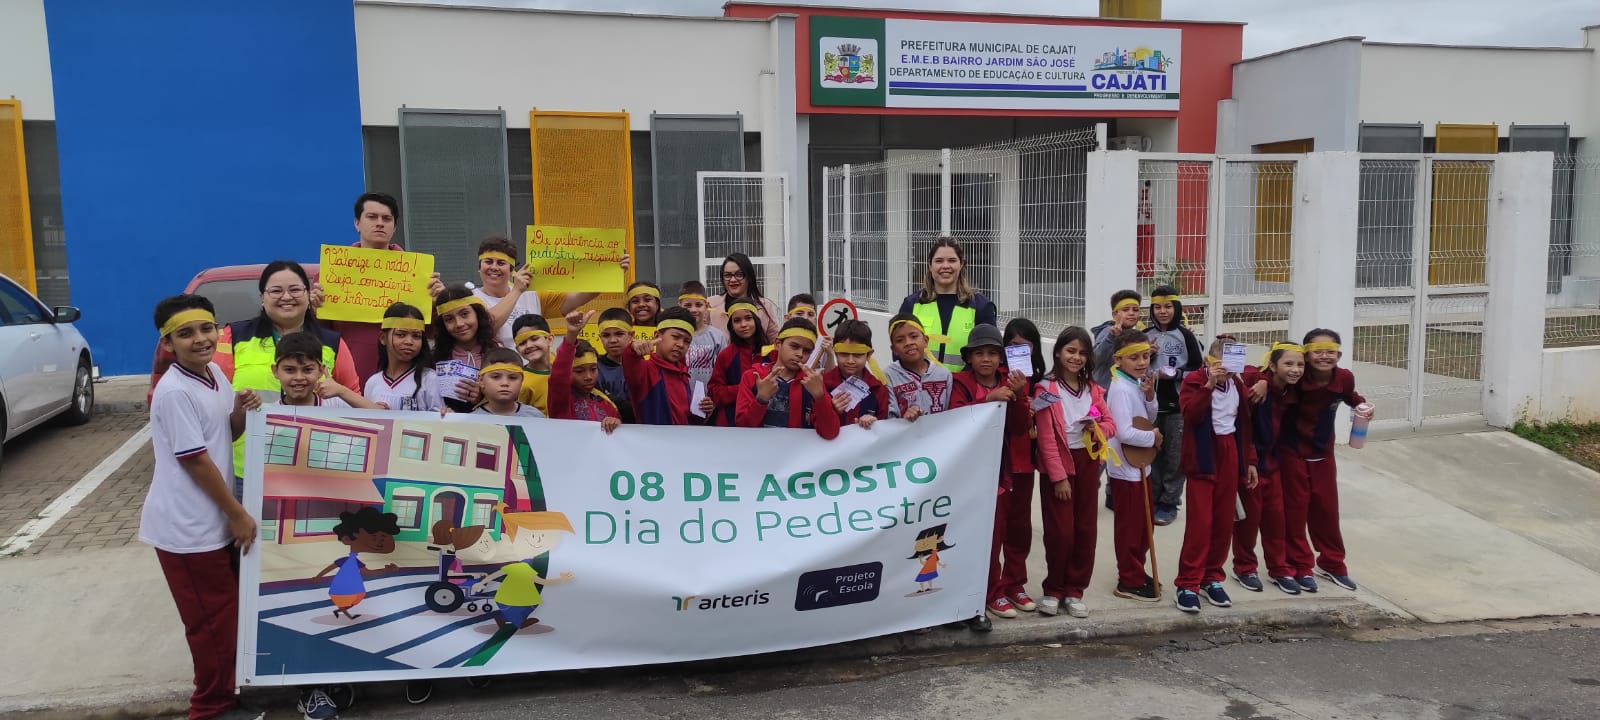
x=827, y=254
x=1518, y=248
x=945, y=192
x=1111, y=227
x=1327, y=187
x=849, y=269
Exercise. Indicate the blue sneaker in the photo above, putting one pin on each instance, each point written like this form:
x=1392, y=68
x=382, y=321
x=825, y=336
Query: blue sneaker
x=1343, y=581
x=1165, y=514
x=316, y=705
x=1287, y=585
x=1249, y=581
x=1216, y=595
x=1187, y=601
x=1307, y=583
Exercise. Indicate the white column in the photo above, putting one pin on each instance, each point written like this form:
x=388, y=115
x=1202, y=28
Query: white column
x=1513, y=323
x=1111, y=202
x=1327, y=188
x=779, y=135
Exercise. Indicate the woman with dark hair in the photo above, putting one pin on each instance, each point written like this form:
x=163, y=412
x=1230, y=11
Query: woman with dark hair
x=946, y=305
x=739, y=282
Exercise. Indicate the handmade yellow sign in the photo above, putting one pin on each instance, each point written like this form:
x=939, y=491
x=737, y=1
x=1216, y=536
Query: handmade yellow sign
x=591, y=333
x=358, y=284
x=569, y=259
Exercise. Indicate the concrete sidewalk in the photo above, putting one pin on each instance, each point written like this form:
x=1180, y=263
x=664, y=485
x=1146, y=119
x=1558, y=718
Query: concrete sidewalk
x=1470, y=526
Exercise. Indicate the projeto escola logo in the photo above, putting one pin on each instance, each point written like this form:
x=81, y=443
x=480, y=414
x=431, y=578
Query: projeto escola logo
x=720, y=602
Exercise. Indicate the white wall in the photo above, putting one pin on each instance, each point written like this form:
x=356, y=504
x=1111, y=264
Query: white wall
x=1434, y=84
x=481, y=59
x=1567, y=385
x=1310, y=92
x=25, y=58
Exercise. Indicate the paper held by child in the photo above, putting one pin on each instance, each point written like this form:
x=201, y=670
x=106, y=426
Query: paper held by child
x=854, y=388
x=1044, y=399
x=697, y=394
x=1233, y=357
x=1019, y=358
x=450, y=372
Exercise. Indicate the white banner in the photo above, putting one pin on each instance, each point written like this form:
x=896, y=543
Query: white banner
x=398, y=545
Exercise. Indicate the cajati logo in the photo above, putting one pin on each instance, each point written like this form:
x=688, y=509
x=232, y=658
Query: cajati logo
x=720, y=602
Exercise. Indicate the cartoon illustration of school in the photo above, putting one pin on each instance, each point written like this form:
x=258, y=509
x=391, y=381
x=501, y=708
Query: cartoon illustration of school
x=433, y=532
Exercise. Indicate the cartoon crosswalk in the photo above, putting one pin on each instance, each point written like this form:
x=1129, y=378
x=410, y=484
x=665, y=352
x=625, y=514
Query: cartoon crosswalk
x=394, y=622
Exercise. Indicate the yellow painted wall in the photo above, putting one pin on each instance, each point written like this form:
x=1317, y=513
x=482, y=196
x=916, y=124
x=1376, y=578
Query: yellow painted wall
x=1459, y=228
x=16, y=225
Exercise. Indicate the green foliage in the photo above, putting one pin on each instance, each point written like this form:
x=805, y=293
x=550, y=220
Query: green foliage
x=1564, y=437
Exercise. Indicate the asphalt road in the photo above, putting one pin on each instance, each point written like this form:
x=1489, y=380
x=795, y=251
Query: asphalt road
x=1541, y=673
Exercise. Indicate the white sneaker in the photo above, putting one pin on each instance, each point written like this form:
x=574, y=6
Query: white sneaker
x=1076, y=608
x=1049, y=605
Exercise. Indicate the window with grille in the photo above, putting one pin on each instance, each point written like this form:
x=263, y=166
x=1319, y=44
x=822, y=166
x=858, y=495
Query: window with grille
x=281, y=443
x=337, y=451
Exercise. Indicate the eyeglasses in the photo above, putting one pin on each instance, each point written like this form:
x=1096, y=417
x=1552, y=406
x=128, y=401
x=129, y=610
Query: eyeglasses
x=278, y=292
x=735, y=275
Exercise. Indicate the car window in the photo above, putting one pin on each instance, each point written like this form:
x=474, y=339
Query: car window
x=234, y=300
x=17, y=308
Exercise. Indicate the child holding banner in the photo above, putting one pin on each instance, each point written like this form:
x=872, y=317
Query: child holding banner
x=305, y=379
x=917, y=386
x=462, y=333
x=708, y=341
x=986, y=380
x=742, y=353
x=644, y=303
x=501, y=379
x=573, y=377
x=404, y=380
x=190, y=516
x=1218, y=455
x=533, y=344
x=1132, y=395
x=658, y=381
x=1074, y=424
x=786, y=393
x=858, y=396
x=616, y=334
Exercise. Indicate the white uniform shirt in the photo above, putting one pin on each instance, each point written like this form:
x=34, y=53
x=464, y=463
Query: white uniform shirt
x=1224, y=408
x=188, y=418
x=402, y=393
x=1125, y=400
x=527, y=304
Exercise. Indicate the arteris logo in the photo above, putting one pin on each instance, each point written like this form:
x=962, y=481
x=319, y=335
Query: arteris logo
x=720, y=602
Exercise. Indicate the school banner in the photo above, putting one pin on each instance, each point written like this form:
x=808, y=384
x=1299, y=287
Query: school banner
x=401, y=545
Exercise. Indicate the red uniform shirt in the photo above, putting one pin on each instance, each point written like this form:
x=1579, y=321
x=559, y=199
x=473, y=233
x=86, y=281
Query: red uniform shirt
x=1310, y=432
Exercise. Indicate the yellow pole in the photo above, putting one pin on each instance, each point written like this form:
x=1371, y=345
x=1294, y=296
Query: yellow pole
x=1131, y=9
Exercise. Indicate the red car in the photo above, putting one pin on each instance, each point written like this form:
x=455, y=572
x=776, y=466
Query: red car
x=234, y=290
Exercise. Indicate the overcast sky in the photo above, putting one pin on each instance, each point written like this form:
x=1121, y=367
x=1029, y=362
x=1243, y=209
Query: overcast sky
x=1273, y=24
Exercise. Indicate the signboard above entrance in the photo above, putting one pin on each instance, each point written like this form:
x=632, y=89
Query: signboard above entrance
x=876, y=62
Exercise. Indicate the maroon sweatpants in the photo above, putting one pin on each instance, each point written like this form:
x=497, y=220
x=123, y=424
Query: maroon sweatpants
x=1263, y=514
x=1069, y=529
x=996, y=545
x=1208, y=518
x=1311, y=506
x=1018, y=537
x=1130, y=526
x=205, y=586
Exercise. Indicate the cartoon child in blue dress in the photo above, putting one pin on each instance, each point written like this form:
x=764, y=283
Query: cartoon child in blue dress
x=929, y=542
x=363, y=531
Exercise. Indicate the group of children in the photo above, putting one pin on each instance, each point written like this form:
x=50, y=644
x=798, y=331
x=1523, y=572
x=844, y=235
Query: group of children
x=1262, y=439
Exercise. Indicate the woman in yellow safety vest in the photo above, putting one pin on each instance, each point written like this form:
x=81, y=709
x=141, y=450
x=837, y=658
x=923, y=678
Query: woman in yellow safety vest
x=946, y=305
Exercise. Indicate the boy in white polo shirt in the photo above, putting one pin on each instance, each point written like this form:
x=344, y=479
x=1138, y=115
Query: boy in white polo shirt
x=190, y=515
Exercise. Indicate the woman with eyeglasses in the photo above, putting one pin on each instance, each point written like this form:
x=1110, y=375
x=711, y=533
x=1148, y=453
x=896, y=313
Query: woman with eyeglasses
x=739, y=282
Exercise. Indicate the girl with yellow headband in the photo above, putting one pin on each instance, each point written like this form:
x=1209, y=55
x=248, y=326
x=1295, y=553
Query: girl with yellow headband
x=405, y=379
x=574, y=379
x=1310, y=475
x=785, y=393
x=747, y=336
x=1074, y=427
x=644, y=303
x=1132, y=395
x=462, y=334
x=1274, y=388
x=1176, y=353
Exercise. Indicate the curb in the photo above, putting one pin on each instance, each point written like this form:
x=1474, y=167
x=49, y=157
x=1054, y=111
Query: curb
x=1153, y=622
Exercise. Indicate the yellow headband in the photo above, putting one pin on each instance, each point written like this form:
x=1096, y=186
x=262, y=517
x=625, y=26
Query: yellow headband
x=1133, y=349
x=615, y=324
x=1126, y=302
x=736, y=307
x=852, y=348
x=455, y=305
x=800, y=308
x=185, y=317
x=644, y=290
x=497, y=254
x=912, y=323
x=691, y=296
x=1322, y=345
x=403, y=323
x=585, y=360
x=531, y=333
x=508, y=367
x=1158, y=299
x=1266, y=359
x=674, y=325
x=795, y=332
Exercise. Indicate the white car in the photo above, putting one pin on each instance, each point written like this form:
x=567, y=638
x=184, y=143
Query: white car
x=45, y=366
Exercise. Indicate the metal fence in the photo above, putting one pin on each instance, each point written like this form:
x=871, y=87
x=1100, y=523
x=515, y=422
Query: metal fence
x=1572, y=307
x=745, y=212
x=1016, y=206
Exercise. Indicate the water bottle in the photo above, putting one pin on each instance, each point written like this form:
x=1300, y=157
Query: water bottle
x=1360, y=418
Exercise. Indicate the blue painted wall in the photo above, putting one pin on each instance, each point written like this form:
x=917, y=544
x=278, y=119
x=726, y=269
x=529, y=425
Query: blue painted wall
x=196, y=133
